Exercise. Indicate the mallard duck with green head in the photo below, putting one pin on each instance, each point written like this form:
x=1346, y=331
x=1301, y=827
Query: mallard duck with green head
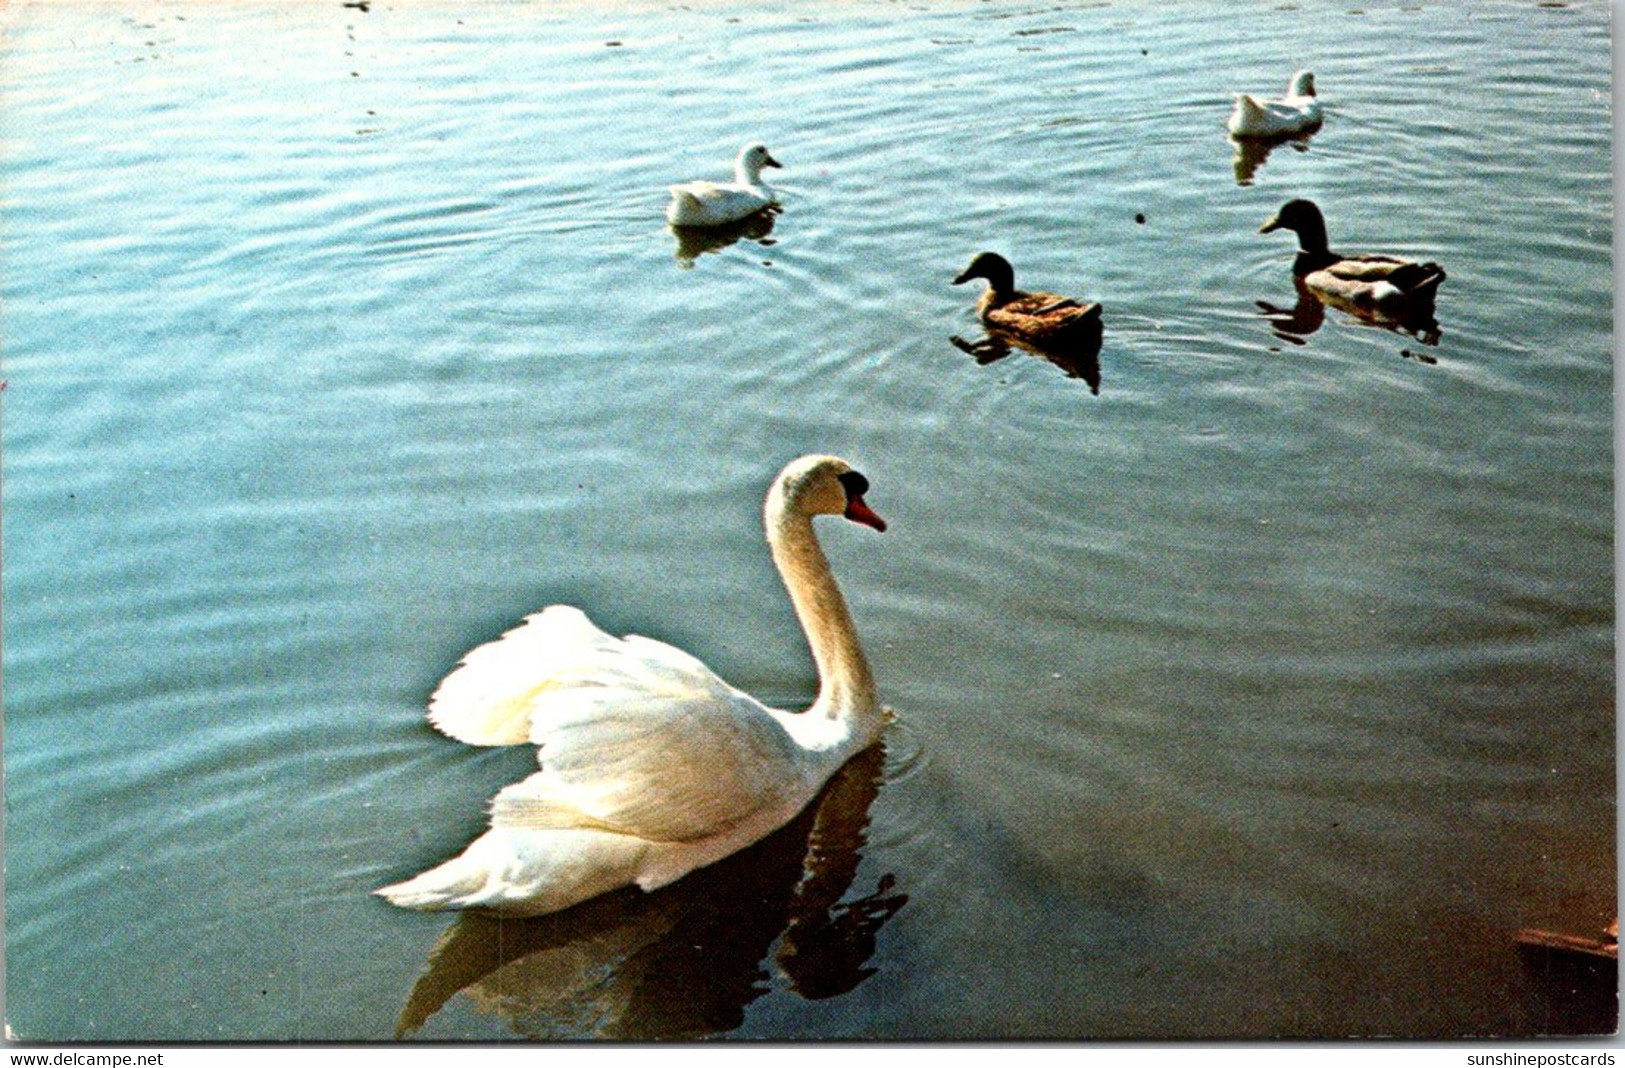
x=1369, y=284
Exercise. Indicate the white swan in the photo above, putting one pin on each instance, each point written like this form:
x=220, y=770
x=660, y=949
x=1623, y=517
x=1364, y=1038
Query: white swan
x=719, y=203
x=652, y=766
x=1294, y=113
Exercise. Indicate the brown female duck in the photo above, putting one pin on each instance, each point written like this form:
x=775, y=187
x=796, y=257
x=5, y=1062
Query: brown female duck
x=1374, y=285
x=1038, y=318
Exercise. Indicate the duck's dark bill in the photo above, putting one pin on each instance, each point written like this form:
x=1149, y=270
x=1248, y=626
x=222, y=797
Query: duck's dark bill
x=859, y=512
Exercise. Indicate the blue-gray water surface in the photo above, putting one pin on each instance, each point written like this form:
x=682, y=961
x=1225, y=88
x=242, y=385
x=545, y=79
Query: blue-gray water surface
x=1267, y=692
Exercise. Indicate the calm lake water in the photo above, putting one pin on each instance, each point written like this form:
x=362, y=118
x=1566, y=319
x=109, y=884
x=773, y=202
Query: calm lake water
x=1268, y=692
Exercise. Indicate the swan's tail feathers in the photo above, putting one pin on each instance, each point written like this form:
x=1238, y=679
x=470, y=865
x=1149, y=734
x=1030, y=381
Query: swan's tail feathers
x=455, y=884
x=491, y=696
x=524, y=873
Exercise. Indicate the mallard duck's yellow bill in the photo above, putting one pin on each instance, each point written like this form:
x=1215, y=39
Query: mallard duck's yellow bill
x=1273, y=224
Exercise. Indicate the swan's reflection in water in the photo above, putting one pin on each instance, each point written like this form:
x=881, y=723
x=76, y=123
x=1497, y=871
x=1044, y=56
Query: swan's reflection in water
x=1078, y=354
x=695, y=241
x=683, y=962
x=1295, y=324
x=1251, y=152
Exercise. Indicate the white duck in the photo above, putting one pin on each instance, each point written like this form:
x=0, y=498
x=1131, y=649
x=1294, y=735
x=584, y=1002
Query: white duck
x=652, y=765
x=720, y=203
x=1296, y=112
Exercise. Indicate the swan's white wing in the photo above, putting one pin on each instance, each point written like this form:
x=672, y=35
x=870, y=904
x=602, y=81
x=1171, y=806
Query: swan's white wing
x=662, y=769
x=488, y=699
x=637, y=736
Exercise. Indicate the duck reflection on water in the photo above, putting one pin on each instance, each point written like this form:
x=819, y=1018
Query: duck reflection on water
x=1078, y=355
x=683, y=962
x=1253, y=152
x=1294, y=325
x=695, y=241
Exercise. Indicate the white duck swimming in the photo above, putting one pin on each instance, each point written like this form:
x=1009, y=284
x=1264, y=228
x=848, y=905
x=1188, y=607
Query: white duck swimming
x=720, y=203
x=652, y=766
x=1296, y=112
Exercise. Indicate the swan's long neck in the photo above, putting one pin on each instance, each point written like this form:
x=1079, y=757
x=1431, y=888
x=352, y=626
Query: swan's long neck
x=747, y=172
x=846, y=686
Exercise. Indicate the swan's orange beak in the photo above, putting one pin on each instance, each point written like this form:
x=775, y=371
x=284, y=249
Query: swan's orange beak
x=859, y=512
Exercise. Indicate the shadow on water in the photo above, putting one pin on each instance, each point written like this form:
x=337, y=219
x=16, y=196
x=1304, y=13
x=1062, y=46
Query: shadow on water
x=695, y=241
x=1251, y=152
x=1295, y=324
x=1572, y=991
x=685, y=961
x=1078, y=354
